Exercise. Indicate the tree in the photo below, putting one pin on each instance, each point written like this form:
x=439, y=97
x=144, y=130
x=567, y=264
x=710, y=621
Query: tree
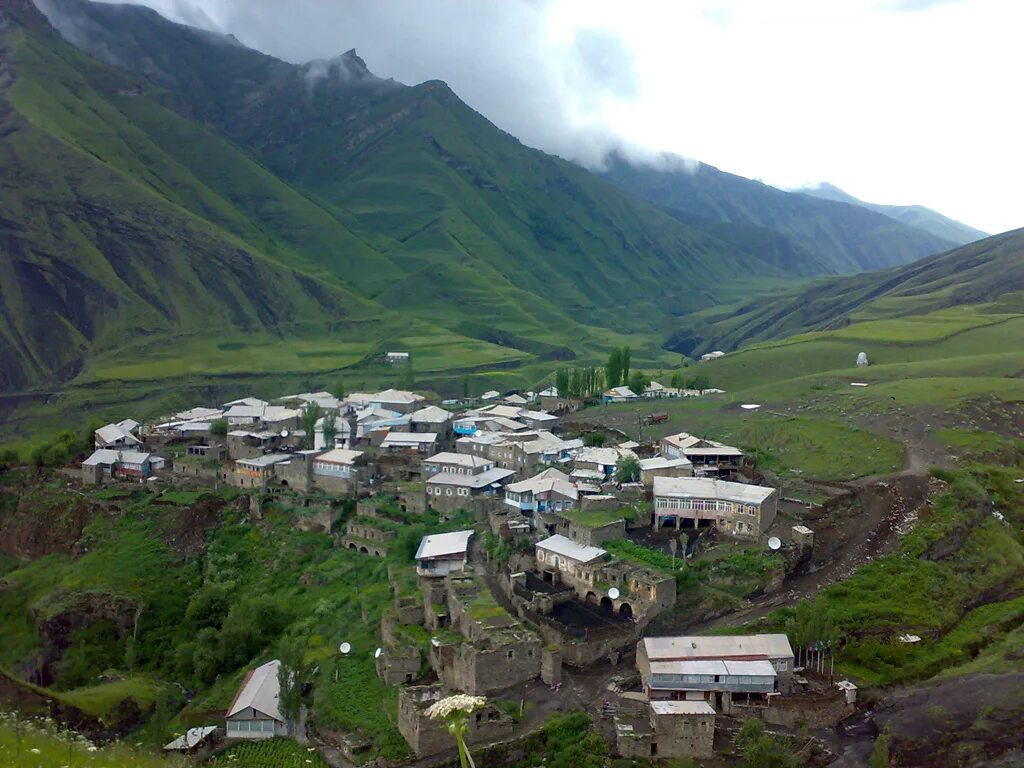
x=330, y=428
x=291, y=653
x=339, y=389
x=613, y=368
x=638, y=382
x=627, y=469
x=698, y=382
x=310, y=416
x=761, y=749
x=594, y=439
x=407, y=380
x=465, y=387
x=562, y=381
x=624, y=356
x=219, y=427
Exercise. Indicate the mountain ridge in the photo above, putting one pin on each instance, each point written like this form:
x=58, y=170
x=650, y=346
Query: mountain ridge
x=914, y=215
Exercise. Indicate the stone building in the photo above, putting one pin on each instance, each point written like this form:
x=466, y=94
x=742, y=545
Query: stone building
x=738, y=509
x=431, y=737
x=670, y=729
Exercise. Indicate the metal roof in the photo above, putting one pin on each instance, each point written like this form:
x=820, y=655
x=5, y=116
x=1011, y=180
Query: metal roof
x=265, y=461
x=190, y=738
x=682, y=708
x=460, y=459
x=710, y=488
x=408, y=438
x=774, y=646
x=717, y=667
x=112, y=456
x=660, y=462
x=261, y=691
x=481, y=480
x=339, y=456
x=431, y=415
x=444, y=545
x=565, y=547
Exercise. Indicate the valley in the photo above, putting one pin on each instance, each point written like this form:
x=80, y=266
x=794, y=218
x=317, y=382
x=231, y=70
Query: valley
x=340, y=427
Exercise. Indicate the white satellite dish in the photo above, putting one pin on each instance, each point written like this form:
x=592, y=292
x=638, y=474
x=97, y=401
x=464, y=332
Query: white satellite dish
x=613, y=593
x=284, y=433
x=377, y=653
x=774, y=543
x=344, y=647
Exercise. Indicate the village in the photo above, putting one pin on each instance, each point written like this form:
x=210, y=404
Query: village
x=539, y=589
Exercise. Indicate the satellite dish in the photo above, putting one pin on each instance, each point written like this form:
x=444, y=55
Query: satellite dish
x=774, y=543
x=613, y=593
x=284, y=433
x=344, y=647
x=377, y=653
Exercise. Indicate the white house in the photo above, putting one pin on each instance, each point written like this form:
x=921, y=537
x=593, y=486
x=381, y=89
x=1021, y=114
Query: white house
x=551, y=490
x=443, y=553
x=563, y=555
x=735, y=508
x=619, y=395
x=397, y=358
x=255, y=712
x=338, y=462
x=409, y=442
x=119, y=435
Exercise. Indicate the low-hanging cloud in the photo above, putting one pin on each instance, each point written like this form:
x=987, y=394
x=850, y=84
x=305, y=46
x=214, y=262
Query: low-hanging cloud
x=499, y=57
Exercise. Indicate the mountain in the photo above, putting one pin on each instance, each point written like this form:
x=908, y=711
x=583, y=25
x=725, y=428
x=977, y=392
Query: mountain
x=849, y=239
x=199, y=184
x=913, y=215
x=989, y=272
x=170, y=190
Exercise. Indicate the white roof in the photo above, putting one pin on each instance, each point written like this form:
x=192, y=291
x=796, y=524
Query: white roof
x=565, y=547
x=515, y=399
x=682, y=708
x=190, y=738
x=443, y=545
x=710, y=488
x=621, y=392
x=772, y=646
x=261, y=691
x=507, y=411
x=654, y=386
x=199, y=414
x=112, y=456
x=376, y=413
x=481, y=480
x=510, y=425
x=682, y=440
x=629, y=445
x=713, y=450
x=537, y=416
x=339, y=456
x=549, y=392
x=490, y=395
x=460, y=459
x=603, y=456
x=111, y=433
x=548, y=480
x=658, y=462
x=253, y=402
x=395, y=396
x=431, y=415
x=408, y=438
x=265, y=461
x=756, y=668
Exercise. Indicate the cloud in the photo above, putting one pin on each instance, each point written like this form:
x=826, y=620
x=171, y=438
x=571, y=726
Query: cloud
x=874, y=96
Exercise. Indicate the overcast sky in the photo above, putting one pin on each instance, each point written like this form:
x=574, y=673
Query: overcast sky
x=895, y=101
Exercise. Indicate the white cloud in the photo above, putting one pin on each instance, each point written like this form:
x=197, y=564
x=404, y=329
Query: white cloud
x=896, y=101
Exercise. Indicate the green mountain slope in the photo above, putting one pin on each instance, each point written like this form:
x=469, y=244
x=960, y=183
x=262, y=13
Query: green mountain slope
x=849, y=239
x=913, y=215
x=989, y=272
x=108, y=241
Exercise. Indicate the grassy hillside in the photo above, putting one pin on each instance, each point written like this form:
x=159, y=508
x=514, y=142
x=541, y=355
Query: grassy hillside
x=913, y=215
x=990, y=271
x=847, y=238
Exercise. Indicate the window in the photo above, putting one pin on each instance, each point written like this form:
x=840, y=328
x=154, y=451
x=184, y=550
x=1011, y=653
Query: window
x=510, y=653
x=448, y=491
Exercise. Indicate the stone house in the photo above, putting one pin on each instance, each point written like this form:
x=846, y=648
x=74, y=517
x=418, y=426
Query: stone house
x=659, y=466
x=448, y=491
x=431, y=737
x=443, y=553
x=737, y=509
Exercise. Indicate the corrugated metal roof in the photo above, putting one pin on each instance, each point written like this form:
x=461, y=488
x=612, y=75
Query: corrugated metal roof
x=566, y=547
x=481, y=480
x=718, y=667
x=409, y=438
x=710, y=488
x=682, y=708
x=261, y=691
x=112, y=456
x=339, y=456
x=773, y=646
x=444, y=545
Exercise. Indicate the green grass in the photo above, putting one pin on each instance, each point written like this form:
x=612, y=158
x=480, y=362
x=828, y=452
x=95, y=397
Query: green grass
x=102, y=700
x=272, y=753
x=597, y=518
x=34, y=744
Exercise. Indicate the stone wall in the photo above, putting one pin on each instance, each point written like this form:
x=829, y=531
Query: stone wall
x=431, y=737
x=480, y=668
x=817, y=711
x=684, y=735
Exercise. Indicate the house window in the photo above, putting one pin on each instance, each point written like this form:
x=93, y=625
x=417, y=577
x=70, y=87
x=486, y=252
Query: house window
x=510, y=653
